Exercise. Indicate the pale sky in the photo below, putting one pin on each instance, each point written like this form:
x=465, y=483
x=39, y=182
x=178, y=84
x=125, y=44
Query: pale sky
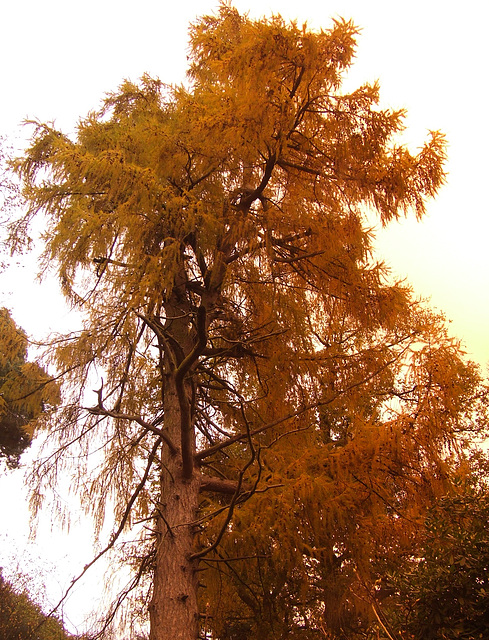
x=59, y=58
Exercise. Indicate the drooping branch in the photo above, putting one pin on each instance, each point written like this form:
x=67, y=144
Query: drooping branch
x=206, y=453
x=115, y=606
x=115, y=536
x=100, y=410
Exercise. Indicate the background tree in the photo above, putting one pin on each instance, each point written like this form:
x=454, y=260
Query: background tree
x=9, y=194
x=444, y=593
x=26, y=391
x=21, y=618
x=242, y=340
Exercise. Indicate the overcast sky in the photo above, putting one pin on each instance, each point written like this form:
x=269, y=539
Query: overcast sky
x=59, y=58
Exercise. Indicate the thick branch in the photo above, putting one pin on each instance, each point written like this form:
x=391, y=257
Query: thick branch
x=299, y=257
x=162, y=338
x=298, y=167
x=117, y=263
x=275, y=241
x=248, y=200
x=220, y=485
x=186, y=426
x=234, y=500
x=199, y=347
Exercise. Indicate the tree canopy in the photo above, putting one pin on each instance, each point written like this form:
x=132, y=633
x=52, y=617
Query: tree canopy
x=21, y=618
x=444, y=591
x=272, y=415
x=26, y=391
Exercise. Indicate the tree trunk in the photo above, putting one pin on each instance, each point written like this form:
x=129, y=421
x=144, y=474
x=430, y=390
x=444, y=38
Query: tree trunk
x=174, y=612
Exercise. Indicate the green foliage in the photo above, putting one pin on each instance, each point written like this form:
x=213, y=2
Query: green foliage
x=26, y=391
x=21, y=619
x=445, y=594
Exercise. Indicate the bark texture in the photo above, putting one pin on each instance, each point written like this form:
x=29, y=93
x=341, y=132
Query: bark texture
x=174, y=607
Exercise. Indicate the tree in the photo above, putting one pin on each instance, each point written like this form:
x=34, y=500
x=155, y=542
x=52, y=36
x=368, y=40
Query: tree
x=26, y=391
x=9, y=192
x=444, y=594
x=20, y=617
x=268, y=405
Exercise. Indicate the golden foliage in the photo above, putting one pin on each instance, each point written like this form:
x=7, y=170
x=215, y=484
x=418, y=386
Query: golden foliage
x=216, y=239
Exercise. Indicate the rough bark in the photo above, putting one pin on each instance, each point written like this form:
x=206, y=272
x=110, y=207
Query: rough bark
x=174, y=613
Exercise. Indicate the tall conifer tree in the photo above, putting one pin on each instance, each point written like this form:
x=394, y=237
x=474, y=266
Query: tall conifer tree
x=272, y=409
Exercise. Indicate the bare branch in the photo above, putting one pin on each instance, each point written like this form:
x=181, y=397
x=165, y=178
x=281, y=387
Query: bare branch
x=100, y=410
x=115, y=535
